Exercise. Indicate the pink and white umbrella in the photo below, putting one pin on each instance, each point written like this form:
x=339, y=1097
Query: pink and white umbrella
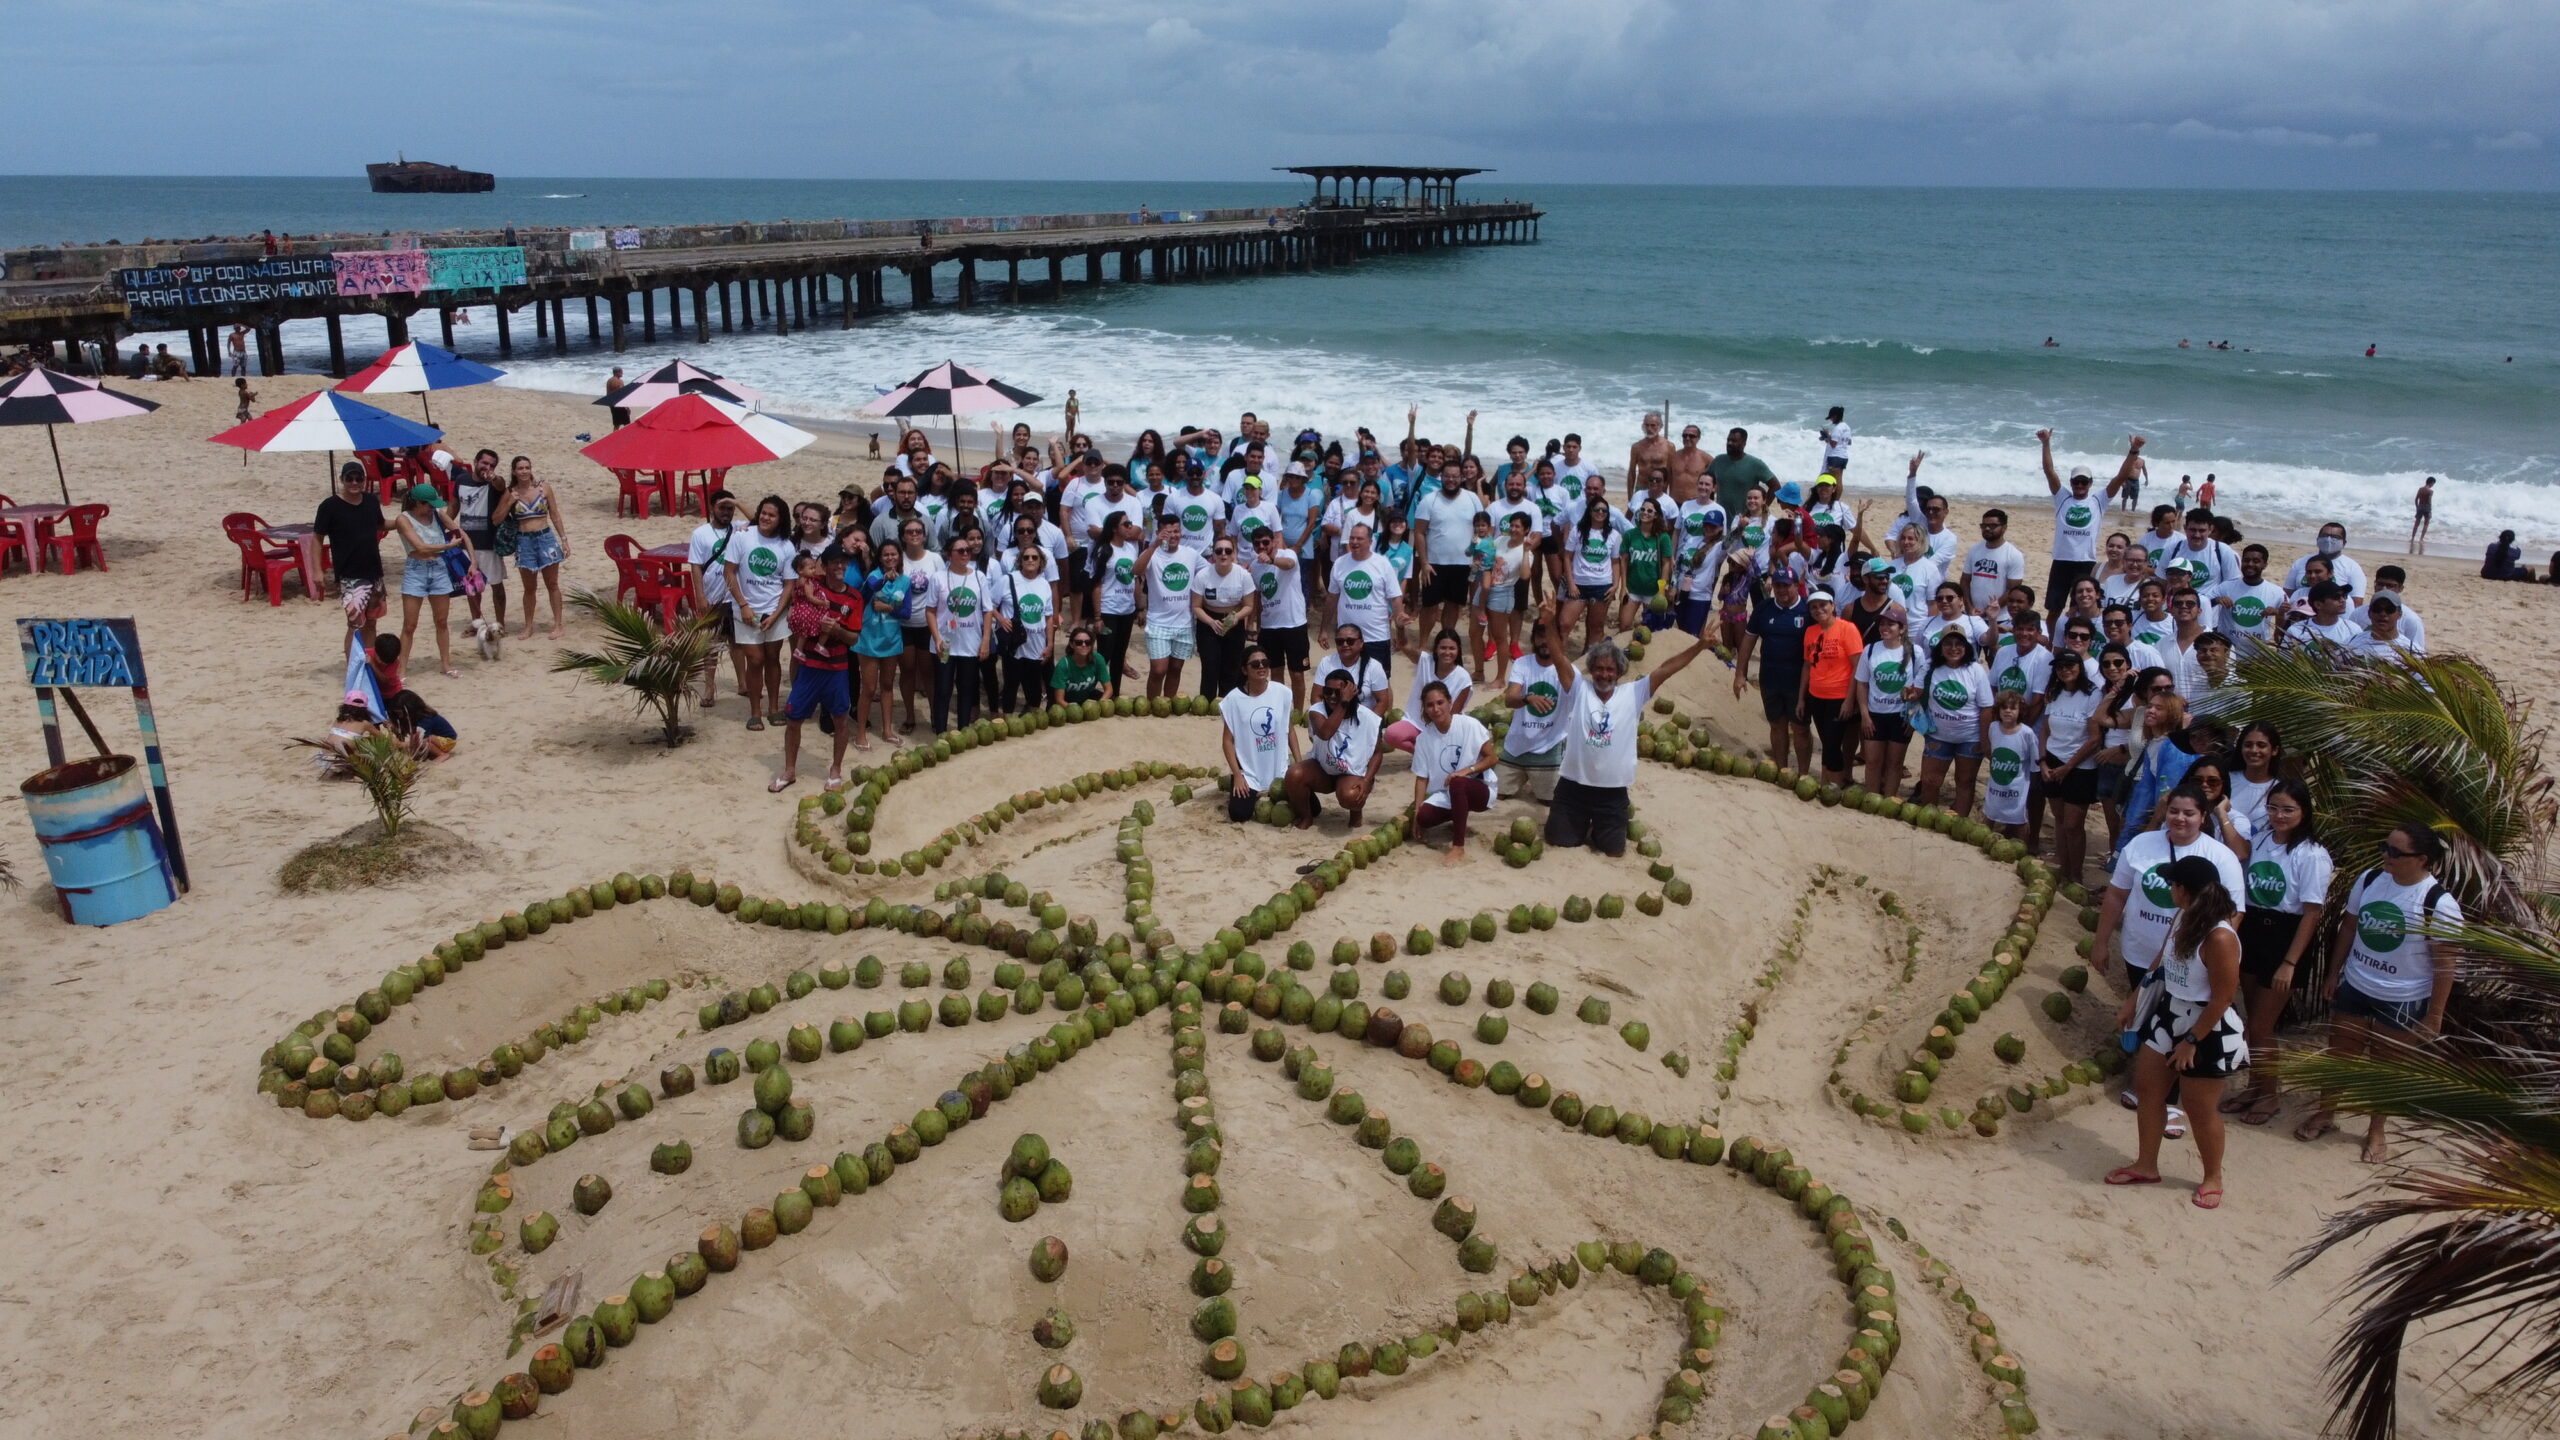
x=953, y=390
x=415, y=369
x=679, y=377
x=43, y=397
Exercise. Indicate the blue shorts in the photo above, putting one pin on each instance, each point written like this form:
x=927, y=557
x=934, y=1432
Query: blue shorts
x=537, y=550
x=424, y=575
x=1694, y=613
x=813, y=690
x=1937, y=749
x=1592, y=592
x=2384, y=1014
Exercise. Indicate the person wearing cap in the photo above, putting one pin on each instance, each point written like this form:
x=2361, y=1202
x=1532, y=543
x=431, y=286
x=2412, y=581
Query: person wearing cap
x=1791, y=497
x=1776, y=632
x=2383, y=635
x=2393, y=581
x=1875, y=600
x=2077, y=513
x=1824, y=506
x=1831, y=649
x=2327, y=624
x=1253, y=511
x=1835, y=442
x=427, y=575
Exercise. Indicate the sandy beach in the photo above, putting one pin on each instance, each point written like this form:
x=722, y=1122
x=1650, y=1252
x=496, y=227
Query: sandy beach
x=189, y=1259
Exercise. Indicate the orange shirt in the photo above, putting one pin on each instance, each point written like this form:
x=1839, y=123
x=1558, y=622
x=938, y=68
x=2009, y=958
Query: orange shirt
x=1831, y=659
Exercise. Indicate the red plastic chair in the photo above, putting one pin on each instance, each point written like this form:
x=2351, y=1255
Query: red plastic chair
x=13, y=539
x=257, y=562
x=624, y=552
x=698, y=485
x=83, y=539
x=636, y=492
x=664, y=589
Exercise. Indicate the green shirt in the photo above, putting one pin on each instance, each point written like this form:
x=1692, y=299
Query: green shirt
x=1647, y=555
x=1077, y=682
x=1735, y=475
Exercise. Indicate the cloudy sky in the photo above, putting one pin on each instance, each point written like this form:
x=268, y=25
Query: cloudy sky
x=2327, y=93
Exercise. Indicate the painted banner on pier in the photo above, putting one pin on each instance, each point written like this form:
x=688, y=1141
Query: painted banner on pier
x=586, y=239
x=244, y=282
x=381, y=272
x=476, y=267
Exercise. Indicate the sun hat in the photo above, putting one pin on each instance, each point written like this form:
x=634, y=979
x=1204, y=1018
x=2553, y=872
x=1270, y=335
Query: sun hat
x=1791, y=493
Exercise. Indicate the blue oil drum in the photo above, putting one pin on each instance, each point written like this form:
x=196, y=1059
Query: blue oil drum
x=101, y=840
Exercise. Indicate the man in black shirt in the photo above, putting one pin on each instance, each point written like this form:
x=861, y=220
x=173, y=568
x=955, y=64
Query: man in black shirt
x=1777, y=632
x=475, y=513
x=350, y=523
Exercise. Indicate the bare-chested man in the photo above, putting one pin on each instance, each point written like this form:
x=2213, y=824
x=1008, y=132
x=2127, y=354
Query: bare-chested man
x=1648, y=453
x=1688, y=465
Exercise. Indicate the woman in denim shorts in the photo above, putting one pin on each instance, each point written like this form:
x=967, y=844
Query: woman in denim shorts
x=425, y=575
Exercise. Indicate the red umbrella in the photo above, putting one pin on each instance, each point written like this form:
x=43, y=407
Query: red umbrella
x=696, y=432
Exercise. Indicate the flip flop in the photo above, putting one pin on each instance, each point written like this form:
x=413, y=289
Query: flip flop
x=2263, y=1111
x=755, y=722
x=2127, y=1175
x=2234, y=1103
x=781, y=783
x=2208, y=1197
x=2313, y=1127
x=836, y=782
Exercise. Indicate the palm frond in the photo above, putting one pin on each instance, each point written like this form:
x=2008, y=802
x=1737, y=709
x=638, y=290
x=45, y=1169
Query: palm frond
x=2479, y=1091
x=660, y=666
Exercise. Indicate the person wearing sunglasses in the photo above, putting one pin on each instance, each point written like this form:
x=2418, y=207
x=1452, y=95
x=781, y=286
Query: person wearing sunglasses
x=1223, y=603
x=1368, y=677
x=1079, y=673
x=2391, y=969
x=1260, y=743
x=1280, y=610
x=1342, y=754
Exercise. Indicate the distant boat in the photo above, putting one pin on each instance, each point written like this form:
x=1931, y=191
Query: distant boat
x=570, y=195
x=425, y=177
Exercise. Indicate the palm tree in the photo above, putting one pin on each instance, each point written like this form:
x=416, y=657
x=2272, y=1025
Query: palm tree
x=2486, y=1254
x=384, y=764
x=663, y=666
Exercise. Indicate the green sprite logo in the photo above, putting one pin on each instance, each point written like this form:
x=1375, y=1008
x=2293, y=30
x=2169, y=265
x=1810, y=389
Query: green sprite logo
x=763, y=564
x=1889, y=675
x=2266, y=884
x=1755, y=533
x=1124, y=569
x=1950, y=694
x=1596, y=549
x=2249, y=612
x=2150, y=635
x=1033, y=612
x=964, y=601
x=1195, y=518
x=1357, y=585
x=2078, y=516
x=2006, y=765
x=1253, y=525
x=1177, y=576
x=2013, y=679
x=1694, y=522
x=2155, y=888
x=1542, y=690
x=1268, y=582
x=2381, y=927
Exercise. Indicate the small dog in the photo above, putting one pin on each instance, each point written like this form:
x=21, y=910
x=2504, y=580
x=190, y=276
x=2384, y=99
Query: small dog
x=488, y=633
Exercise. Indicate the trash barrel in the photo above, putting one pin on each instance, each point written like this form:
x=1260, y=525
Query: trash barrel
x=101, y=839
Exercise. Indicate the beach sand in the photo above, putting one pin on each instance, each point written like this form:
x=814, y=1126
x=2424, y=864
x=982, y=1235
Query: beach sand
x=187, y=1259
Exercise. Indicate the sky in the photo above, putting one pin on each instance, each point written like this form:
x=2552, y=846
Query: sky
x=2385, y=94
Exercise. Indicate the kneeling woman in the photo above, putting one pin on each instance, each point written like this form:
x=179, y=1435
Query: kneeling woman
x=2190, y=1031
x=1260, y=742
x=1452, y=769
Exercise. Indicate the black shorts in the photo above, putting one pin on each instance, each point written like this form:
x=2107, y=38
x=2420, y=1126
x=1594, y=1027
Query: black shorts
x=1586, y=815
x=2059, y=580
x=2078, y=787
x=1287, y=647
x=2166, y=1020
x=1081, y=576
x=1778, y=704
x=2265, y=935
x=1892, y=729
x=919, y=638
x=1551, y=544
x=1448, y=585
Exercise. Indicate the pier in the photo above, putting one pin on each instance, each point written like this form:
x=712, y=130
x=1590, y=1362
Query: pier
x=774, y=277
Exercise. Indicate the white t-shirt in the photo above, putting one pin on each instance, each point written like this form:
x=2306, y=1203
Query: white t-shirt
x=1354, y=741
x=708, y=554
x=1169, y=577
x=1968, y=626
x=2342, y=568
x=2413, y=630
x=764, y=566
x=1458, y=681
x=1250, y=520
x=1885, y=671
x=1222, y=592
x=1033, y=602
x=1835, y=441
x=2205, y=566
x=1991, y=569
x=1119, y=588
x=1090, y=515
x=1259, y=725
x=1370, y=678
x=1284, y=599
x=2075, y=525
x=1941, y=552
x=1199, y=515
x=1600, y=735
x=1592, y=552
x=960, y=610
x=2287, y=877
x=1957, y=697
x=2143, y=657
x=1697, y=522
x=2337, y=632
x=2155, y=631
x=2400, y=648
x=1452, y=519
x=1532, y=733
x=2067, y=714
x=2121, y=589
x=2253, y=612
x=1915, y=582
x=2012, y=756
x=2390, y=960
x=1439, y=754
x=1365, y=591
x=2141, y=872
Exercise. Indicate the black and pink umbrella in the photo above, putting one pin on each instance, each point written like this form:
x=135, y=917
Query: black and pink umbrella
x=44, y=397
x=954, y=390
x=679, y=377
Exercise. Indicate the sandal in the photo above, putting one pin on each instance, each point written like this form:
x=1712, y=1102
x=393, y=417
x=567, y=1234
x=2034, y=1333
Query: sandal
x=781, y=783
x=2234, y=1103
x=2314, y=1126
x=2208, y=1197
x=2127, y=1175
x=2175, y=1127
x=2263, y=1109
x=836, y=782
x=755, y=722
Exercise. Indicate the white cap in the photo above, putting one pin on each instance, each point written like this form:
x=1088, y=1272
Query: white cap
x=1297, y=468
x=2081, y=472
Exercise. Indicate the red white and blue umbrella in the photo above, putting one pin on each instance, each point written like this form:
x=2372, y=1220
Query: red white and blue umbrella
x=415, y=369
x=327, y=420
x=680, y=377
x=41, y=397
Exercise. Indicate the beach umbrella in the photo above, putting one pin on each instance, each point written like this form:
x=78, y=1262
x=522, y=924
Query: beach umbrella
x=696, y=432
x=954, y=390
x=327, y=420
x=679, y=377
x=415, y=369
x=42, y=397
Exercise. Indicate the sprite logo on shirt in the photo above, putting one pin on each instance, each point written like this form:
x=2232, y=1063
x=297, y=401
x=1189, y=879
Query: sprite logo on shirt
x=964, y=601
x=1541, y=690
x=2249, y=612
x=1177, y=576
x=763, y=564
x=2380, y=926
x=1754, y=532
x=2011, y=679
x=1357, y=585
x=2155, y=888
x=1253, y=525
x=2195, y=569
x=1033, y=612
x=1595, y=548
x=1695, y=522
x=2078, y=516
x=2006, y=766
x=1268, y=582
x=1889, y=675
x=2266, y=884
x=1124, y=569
x=1950, y=694
x=1195, y=518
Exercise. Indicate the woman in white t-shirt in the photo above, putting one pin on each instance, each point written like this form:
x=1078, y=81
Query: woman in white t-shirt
x=1116, y=590
x=2289, y=873
x=1503, y=585
x=1947, y=612
x=1260, y=742
x=1955, y=690
x=2260, y=751
x=960, y=634
x=1443, y=666
x=757, y=569
x=1876, y=702
x=2187, y=1027
x=1453, y=757
x=1026, y=615
x=2073, y=736
x=2388, y=973
x=1595, y=567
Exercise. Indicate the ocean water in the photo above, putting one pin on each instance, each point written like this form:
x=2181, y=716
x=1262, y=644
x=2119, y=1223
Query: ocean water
x=1921, y=311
